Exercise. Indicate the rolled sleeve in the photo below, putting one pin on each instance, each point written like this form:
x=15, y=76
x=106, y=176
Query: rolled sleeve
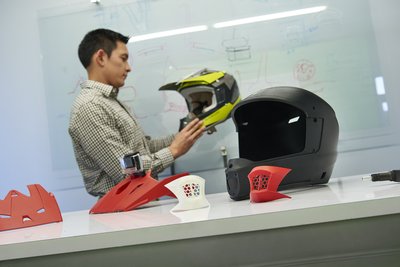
x=157, y=144
x=158, y=161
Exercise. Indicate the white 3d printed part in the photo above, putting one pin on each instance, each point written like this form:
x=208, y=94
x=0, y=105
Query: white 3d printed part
x=190, y=192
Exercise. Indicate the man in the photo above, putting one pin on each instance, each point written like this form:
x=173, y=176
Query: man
x=101, y=128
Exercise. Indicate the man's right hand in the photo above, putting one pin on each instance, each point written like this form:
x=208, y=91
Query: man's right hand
x=186, y=138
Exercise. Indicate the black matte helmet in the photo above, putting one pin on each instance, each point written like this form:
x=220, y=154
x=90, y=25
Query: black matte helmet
x=287, y=127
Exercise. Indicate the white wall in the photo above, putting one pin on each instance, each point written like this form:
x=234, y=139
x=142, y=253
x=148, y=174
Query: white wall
x=24, y=141
x=24, y=146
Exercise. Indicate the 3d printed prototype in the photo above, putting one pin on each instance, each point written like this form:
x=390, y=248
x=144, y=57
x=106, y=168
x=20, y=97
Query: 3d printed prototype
x=133, y=192
x=190, y=192
x=264, y=182
x=18, y=210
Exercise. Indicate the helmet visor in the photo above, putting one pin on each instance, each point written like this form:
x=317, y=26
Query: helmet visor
x=269, y=129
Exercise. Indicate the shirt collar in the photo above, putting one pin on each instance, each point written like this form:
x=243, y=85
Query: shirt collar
x=105, y=89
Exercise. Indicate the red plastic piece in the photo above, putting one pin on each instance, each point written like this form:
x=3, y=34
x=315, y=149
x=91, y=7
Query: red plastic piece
x=264, y=182
x=18, y=210
x=133, y=192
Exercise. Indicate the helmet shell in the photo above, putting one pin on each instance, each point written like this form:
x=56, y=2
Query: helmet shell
x=287, y=127
x=210, y=96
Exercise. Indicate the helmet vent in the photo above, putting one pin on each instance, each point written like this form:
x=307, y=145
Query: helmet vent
x=191, y=190
x=260, y=182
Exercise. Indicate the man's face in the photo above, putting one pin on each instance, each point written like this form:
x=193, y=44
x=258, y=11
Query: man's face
x=117, y=66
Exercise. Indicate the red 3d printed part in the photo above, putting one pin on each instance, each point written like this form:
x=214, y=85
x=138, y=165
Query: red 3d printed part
x=264, y=182
x=18, y=210
x=133, y=192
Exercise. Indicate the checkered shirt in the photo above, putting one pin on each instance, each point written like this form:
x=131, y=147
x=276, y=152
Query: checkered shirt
x=103, y=131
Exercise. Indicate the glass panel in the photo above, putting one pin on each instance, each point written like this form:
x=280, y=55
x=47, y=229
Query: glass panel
x=333, y=51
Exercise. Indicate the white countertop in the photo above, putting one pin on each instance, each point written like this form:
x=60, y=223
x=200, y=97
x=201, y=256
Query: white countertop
x=340, y=199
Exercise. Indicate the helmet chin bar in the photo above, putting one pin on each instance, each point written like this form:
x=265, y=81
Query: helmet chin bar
x=184, y=121
x=264, y=182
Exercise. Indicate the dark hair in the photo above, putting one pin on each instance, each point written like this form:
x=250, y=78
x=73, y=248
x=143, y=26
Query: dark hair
x=98, y=39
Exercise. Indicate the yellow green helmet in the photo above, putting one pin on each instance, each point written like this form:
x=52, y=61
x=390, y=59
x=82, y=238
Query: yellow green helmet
x=210, y=96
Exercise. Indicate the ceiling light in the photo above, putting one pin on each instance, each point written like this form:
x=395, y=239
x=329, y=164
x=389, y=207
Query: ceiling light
x=273, y=16
x=379, y=85
x=167, y=33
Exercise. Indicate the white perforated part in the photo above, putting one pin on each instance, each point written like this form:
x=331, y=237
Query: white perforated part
x=190, y=192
